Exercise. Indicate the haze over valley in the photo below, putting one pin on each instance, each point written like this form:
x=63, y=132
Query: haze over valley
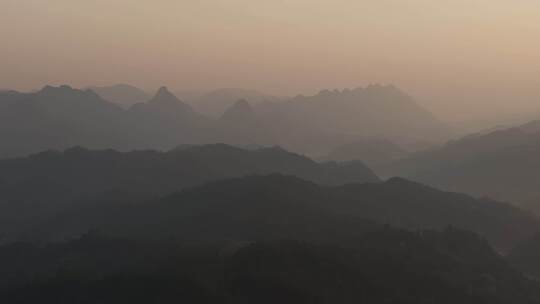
x=291, y=151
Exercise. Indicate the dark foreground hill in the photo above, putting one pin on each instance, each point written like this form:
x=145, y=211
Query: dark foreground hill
x=285, y=207
x=44, y=184
x=384, y=266
x=526, y=256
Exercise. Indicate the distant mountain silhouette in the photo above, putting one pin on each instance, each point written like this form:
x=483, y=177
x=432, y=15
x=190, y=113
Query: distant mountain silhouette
x=281, y=207
x=531, y=127
x=165, y=121
x=121, y=94
x=62, y=117
x=9, y=96
x=164, y=103
x=334, y=118
x=372, y=151
x=44, y=184
x=239, y=111
x=241, y=125
x=58, y=118
x=214, y=103
x=501, y=164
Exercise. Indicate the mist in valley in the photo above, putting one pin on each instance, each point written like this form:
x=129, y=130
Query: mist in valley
x=269, y=152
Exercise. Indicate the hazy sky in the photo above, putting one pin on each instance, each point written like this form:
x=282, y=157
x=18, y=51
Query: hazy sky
x=447, y=53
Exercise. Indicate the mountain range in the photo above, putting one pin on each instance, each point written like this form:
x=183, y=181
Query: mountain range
x=214, y=103
x=223, y=224
x=116, y=196
x=62, y=117
x=316, y=124
x=269, y=207
x=501, y=164
x=47, y=183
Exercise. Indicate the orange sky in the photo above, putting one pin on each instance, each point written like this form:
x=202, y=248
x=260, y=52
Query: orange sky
x=448, y=53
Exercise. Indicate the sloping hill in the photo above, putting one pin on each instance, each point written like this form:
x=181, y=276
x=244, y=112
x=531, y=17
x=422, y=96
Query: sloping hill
x=276, y=206
x=384, y=266
x=502, y=164
x=122, y=94
x=58, y=118
x=165, y=121
x=314, y=123
x=239, y=124
x=44, y=184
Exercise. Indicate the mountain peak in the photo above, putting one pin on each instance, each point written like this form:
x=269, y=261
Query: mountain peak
x=165, y=104
x=242, y=105
x=240, y=109
x=47, y=88
x=50, y=89
x=164, y=95
x=163, y=90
